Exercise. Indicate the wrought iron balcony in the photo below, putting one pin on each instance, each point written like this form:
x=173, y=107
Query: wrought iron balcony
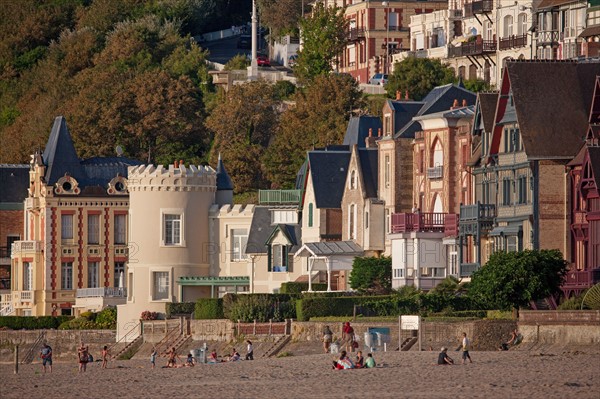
x=455, y=14
x=477, y=47
x=467, y=269
x=482, y=6
x=437, y=172
x=548, y=37
x=279, y=197
x=513, y=41
x=446, y=223
x=355, y=34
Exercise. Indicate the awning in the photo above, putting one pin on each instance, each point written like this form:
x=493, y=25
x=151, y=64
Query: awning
x=591, y=31
x=330, y=248
x=506, y=231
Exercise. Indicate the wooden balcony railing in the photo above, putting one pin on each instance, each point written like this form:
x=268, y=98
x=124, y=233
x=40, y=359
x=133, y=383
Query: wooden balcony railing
x=477, y=212
x=581, y=278
x=482, y=6
x=513, y=41
x=425, y=222
x=477, y=47
x=274, y=197
x=547, y=37
x=355, y=34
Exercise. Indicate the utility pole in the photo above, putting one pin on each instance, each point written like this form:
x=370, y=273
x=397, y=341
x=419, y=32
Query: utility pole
x=253, y=68
x=387, y=36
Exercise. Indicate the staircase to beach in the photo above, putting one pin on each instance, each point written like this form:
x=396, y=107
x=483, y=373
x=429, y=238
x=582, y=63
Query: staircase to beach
x=408, y=343
x=33, y=349
x=276, y=346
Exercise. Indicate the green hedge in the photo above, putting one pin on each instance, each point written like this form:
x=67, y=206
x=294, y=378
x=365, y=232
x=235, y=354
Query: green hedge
x=208, y=308
x=296, y=288
x=259, y=307
x=384, y=305
x=32, y=322
x=174, y=308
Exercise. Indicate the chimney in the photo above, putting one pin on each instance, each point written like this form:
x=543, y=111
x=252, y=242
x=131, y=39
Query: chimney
x=464, y=103
x=398, y=95
x=379, y=132
x=370, y=141
x=176, y=164
x=406, y=95
x=181, y=162
x=454, y=104
x=370, y=132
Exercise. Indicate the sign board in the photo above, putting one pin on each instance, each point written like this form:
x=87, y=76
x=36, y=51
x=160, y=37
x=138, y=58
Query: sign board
x=410, y=322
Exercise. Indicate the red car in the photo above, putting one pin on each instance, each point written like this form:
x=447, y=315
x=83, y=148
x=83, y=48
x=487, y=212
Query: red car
x=263, y=61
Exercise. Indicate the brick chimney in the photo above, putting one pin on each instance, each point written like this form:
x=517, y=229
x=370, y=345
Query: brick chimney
x=379, y=132
x=370, y=132
x=406, y=95
x=464, y=103
x=398, y=95
x=454, y=104
x=176, y=164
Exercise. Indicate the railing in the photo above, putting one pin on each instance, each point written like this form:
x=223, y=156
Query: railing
x=355, y=34
x=270, y=328
x=23, y=296
x=279, y=197
x=476, y=47
x=513, y=41
x=482, y=6
x=477, y=212
x=467, y=269
x=455, y=14
x=23, y=246
x=430, y=221
x=437, y=172
x=102, y=292
x=451, y=225
x=6, y=307
x=547, y=37
x=581, y=278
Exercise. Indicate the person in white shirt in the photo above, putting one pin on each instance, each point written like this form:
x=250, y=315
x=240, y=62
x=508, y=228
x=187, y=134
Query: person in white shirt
x=465, y=349
x=249, y=351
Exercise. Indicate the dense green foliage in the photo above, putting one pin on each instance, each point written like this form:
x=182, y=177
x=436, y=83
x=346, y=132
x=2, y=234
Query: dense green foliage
x=514, y=279
x=293, y=287
x=418, y=76
x=32, y=322
x=259, y=307
x=281, y=16
x=179, y=308
x=208, y=308
x=106, y=319
x=371, y=274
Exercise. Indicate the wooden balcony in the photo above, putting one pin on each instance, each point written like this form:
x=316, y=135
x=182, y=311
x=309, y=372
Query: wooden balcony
x=476, y=47
x=513, y=42
x=279, y=197
x=482, y=6
x=548, y=37
x=425, y=222
x=581, y=279
x=476, y=218
x=355, y=34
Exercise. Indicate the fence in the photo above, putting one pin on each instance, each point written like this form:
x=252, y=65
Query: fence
x=270, y=328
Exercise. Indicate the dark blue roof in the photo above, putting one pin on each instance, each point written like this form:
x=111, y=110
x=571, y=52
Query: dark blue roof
x=14, y=182
x=261, y=229
x=358, y=129
x=404, y=111
x=223, y=180
x=328, y=170
x=439, y=99
x=368, y=158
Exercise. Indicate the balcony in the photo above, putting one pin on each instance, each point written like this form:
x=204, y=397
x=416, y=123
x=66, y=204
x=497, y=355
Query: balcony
x=425, y=222
x=455, y=14
x=437, y=172
x=476, y=218
x=548, y=37
x=482, y=6
x=5, y=252
x=102, y=292
x=26, y=246
x=581, y=278
x=22, y=297
x=467, y=269
x=355, y=34
x=513, y=42
x=279, y=197
x=476, y=47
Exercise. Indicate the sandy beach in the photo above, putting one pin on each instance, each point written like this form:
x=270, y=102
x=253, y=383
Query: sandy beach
x=514, y=374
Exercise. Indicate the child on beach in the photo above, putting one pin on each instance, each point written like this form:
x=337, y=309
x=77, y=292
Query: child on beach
x=105, y=356
x=213, y=357
x=173, y=356
x=234, y=357
x=190, y=361
x=370, y=362
x=250, y=351
x=153, y=357
x=327, y=338
x=343, y=363
x=360, y=360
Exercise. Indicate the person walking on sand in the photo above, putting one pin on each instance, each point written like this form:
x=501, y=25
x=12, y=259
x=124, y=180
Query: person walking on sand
x=249, y=351
x=84, y=357
x=443, y=358
x=348, y=332
x=46, y=355
x=105, y=356
x=327, y=338
x=153, y=357
x=466, y=344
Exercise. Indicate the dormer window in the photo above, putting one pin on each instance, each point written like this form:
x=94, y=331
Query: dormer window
x=284, y=216
x=117, y=186
x=66, y=185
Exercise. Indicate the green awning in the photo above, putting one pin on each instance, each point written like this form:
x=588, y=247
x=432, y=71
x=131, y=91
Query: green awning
x=212, y=281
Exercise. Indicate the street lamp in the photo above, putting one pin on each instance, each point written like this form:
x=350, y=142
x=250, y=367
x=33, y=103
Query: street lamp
x=387, y=36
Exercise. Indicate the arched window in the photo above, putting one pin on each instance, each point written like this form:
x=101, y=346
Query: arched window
x=352, y=180
x=310, y=215
x=352, y=222
x=438, y=154
x=522, y=21
x=437, y=204
x=508, y=26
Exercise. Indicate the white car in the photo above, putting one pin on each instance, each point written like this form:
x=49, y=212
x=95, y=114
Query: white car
x=378, y=79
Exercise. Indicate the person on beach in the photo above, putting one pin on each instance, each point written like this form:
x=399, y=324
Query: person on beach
x=327, y=338
x=443, y=358
x=249, y=351
x=46, y=355
x=234, y=357
x=466, y=344
x=360, y=360
x=172, y=360
x=343, y=363
x=153, y=357
x=348, y=336
x=213, y=357
x=105, y=356
x=190, y=361
x=84, y=356
x=515, y=339
x=370, y=362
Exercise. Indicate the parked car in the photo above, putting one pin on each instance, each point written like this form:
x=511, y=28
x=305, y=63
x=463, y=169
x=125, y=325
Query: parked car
x=293, y=60
x=245, y=41
x=263, y=60
x=378, y=79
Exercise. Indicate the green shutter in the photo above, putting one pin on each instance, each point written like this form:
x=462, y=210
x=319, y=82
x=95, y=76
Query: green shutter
x=269, y=259
x=310, y=215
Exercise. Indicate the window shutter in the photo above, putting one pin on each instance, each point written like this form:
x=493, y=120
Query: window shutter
x=269, y=259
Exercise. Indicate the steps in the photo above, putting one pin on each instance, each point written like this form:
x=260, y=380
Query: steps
x=277, y=346
x=408, y=343
x=131, y=346
x=34, y=348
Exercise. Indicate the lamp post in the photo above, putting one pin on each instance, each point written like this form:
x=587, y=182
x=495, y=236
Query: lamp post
x=387, y=36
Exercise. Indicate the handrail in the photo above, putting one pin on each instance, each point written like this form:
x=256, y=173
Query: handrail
x=163, y=342
x=120, y=340
x=28, y=358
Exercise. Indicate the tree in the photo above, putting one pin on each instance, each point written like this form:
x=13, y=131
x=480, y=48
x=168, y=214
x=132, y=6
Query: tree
x=319, y=118
x=238, y=62
x=418, y=76
x=513, y=279
x=477, y=85
x=281, y=16
x=371, y=274
x=324, y=37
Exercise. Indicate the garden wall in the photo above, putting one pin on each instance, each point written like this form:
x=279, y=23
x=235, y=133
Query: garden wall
x=560, y=327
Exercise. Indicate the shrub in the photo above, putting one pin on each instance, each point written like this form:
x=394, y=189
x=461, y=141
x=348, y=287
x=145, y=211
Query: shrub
x=176, y=308
x=499, y=315
x=259, y=307
x=293, y=287
x=572, y=303
x=148, y=315
x=107, y=319
x=208, y=308
x=479, y=314
x=80, y=323
x=91, y=316
x=32, y=322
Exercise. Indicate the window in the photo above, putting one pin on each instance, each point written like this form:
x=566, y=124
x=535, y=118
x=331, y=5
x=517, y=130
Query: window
x=398, y=273
x=438, y=154
x=511, y=244
x=508, y=26
x=421, y=160
x=66, y=275
x=352, y=180
x=279, y=258
x=489, y=35
x=506, y=194
x=284, y=216
x=522, y=189
x=388, y=124
x=522, y=27
x=239, y=240
x=172, y=229
x=120, y=229
x=27, y=276
x=93, y=229
x=119, y=274
x=387, y=171
x=93, y=269
x=352, y=222
x=512, y=140
x=161, y=286
x=310, y=215
x=66, y=226
x=387, y=221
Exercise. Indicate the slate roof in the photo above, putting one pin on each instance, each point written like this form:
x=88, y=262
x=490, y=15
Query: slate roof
x=261, y=229
x=595, y=161
x=552, y=112
x=223, y=180
x=14, y=182
x=439, y=99
x=457, y=113
x=358, y=129
x=328, y=170
x=368, y=158
x=404, y=111
x=329, y=248
x=92, y=174
x=487, y=105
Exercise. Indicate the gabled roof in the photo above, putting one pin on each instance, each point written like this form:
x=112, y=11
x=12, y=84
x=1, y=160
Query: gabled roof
x=328, y=170
x=552, y=112
x=439, y=99
x=14, y=182
x=223, y=180
x=358, y=129
x=330, y=248
x=594, y=153
x=404, y=111
x=98, y=171
x=367, y=162
x=60, y=156
x=261, y=231
x=487, y=106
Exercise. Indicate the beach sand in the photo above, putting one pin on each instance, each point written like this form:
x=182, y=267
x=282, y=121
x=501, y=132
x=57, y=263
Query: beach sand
x=512, y=374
